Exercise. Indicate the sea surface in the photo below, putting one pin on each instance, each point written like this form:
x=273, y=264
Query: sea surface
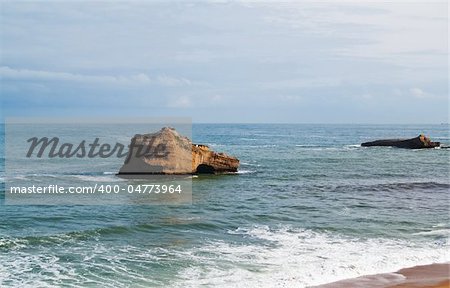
x=308, y=206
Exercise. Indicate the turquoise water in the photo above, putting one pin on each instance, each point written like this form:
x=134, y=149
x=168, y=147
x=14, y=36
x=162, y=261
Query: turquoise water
x=309, y=206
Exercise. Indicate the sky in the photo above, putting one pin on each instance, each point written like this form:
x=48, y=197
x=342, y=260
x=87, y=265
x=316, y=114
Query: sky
x=227, y=61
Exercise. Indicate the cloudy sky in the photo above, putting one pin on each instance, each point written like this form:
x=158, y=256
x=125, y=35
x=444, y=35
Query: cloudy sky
x=220, y=61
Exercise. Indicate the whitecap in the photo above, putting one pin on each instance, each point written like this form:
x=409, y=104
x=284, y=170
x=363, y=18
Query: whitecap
x=250, y=164
x=97, y=178
x=245, y=172
x=353, y=146
x=437, y=232
x=290, y=257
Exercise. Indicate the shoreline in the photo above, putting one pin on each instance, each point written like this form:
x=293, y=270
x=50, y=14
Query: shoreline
x=436, y=275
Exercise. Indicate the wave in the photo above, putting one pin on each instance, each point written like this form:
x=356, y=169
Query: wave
x=192, y=222
x=65, y=263
x=245, y=172
x=394, y=187
x=59, y=239
x=249, y=256
x=88, y=177
x=437, y=232
x=353, y=146
x=215, y=145
x=241, y=172
x=250, y=164
x=260, y=146
x=308, y=146
x=312, y=147
x=299, y=258
x=95, y=178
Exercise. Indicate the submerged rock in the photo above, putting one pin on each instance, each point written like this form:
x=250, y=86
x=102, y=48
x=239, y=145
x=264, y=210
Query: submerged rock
x=419, y=142
x=168, y=152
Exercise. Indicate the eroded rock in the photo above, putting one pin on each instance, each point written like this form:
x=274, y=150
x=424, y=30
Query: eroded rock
x=419, y=142
x=168, y=152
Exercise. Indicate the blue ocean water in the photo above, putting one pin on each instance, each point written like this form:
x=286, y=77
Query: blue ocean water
x=308, y=206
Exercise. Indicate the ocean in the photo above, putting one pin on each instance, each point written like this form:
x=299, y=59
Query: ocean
x=308, y=206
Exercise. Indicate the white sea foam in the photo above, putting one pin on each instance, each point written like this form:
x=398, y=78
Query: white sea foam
x=109, y=173
x=437, y=232
x=258, y=256
x=16, y=267
x=215, y=145
x=97, y=178
x=353, y=146
x=322, y=148
x=250, y=164
x=299, y=258
x=245, y=172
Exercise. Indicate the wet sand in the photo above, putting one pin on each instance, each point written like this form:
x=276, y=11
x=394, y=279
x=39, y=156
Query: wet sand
x=427, y=276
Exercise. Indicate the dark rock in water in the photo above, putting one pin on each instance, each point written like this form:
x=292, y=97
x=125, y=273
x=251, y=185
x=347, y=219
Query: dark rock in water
x=419, y=142
x=167, y=152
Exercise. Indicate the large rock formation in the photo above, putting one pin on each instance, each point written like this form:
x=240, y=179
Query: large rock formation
x=207, y=161
x=168, y=152
x=419, y=142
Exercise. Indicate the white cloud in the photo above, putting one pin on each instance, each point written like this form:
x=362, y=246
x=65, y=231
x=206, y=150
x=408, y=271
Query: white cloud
x=401, y=32
x=135, y=79
x=172, y=81
x=290, y=98
x=420, y=94
x=215, y=98
x=302, y=83
x=366, y=96
x=180, y=102
x=208, y=55
x=195, y=100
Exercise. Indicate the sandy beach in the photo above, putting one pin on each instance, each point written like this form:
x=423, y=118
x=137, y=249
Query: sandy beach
x=426, y=276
